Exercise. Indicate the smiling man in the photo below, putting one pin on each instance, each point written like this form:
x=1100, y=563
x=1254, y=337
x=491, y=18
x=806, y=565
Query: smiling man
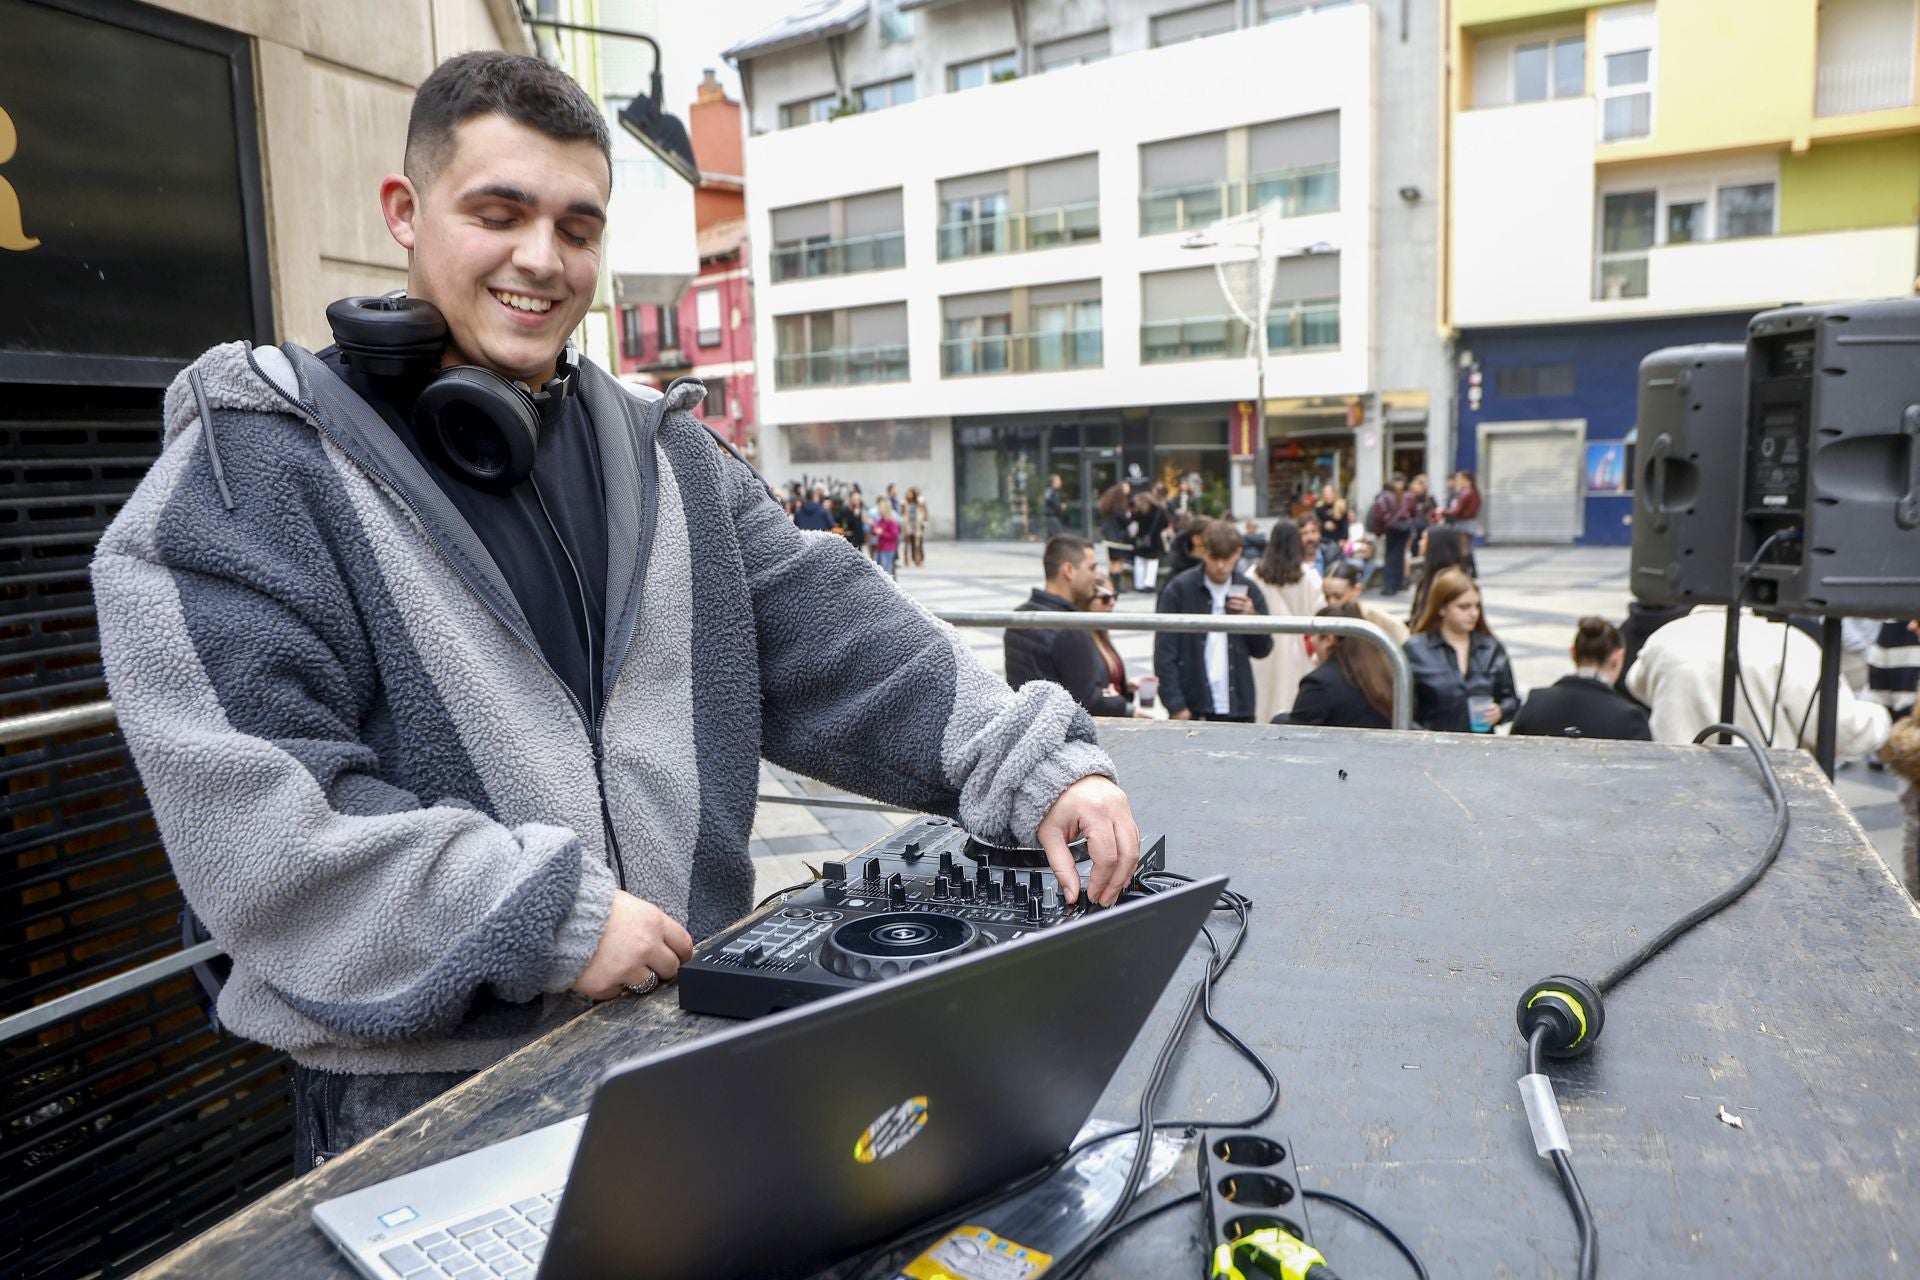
x=440, y=761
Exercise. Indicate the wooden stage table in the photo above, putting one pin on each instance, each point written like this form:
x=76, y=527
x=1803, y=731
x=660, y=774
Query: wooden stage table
x=1399, y=912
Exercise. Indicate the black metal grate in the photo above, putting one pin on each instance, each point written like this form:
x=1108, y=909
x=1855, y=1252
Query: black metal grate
x=128, y=1128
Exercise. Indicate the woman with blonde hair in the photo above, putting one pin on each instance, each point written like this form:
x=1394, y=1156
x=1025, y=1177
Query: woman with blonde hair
x=1293, y=590
x=1462, y=677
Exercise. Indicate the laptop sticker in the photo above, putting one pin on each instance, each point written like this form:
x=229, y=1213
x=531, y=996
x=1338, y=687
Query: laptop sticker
x=891, y=1130
x=975, y=1253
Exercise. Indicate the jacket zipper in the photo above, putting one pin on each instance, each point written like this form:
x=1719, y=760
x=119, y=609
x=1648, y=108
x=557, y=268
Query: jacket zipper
x=589, y=723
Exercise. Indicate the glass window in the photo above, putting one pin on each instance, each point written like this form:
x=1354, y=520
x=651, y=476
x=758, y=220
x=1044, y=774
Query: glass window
x=1530, y=73
x=893, y=93
x=1686, y=222
x=1626, y=233
x=630, y=341
x=1194, y=23
x=895, y=26
x=1516, y=380
x=812, y=111
x=716, y=402
x=1746, y=211
x=971, y=75
x=706, y=317
x=1555, y=380
x=1628, y=68
x=669, y=318
x=1630, y=114
x=974, y=225
x=1570, y=67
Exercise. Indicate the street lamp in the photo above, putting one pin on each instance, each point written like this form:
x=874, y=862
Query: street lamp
x=645, y=117
x=1254, y=220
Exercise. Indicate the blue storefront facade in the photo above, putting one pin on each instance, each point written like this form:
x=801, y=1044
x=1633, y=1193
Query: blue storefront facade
x=1576, y=386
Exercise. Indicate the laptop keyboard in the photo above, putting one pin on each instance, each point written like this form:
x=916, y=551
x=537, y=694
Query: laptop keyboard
x=501, y=1242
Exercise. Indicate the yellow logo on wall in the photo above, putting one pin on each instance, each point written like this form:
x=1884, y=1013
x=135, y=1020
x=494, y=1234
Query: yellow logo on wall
x=12, y=234
x=893, y=1129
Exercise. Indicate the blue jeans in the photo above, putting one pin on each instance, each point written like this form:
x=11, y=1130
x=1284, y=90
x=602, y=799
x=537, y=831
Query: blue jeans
x=886, y=559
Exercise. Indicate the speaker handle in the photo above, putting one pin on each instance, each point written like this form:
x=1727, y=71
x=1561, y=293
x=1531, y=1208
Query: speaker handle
x=1654, y=488
x=1906, y=512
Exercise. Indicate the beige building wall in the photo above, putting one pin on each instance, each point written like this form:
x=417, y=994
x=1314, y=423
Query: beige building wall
x=334, y=82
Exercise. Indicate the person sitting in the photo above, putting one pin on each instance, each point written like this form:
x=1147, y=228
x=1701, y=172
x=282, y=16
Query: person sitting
x=1584, y=704
x=1102, y=601
x=1069, y=659
x=1210, y=676
x=1457, y=663
x=1345, y=583
x=1292, y=589
x=1352, y=688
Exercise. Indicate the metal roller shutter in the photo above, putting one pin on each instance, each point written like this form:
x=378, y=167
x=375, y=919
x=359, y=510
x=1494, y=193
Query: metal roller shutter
x=1531, y=483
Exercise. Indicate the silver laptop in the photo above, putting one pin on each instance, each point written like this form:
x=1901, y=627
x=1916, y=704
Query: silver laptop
x=777, y=1146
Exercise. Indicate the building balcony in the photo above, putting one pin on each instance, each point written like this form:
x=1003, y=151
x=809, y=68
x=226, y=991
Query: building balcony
x=1309, y=189
x=882, y=251
x=841, y=367
x=1877, y=84
x=1303, y=326
x=1201, y=338
x=1015, y=233
x=1021, y=353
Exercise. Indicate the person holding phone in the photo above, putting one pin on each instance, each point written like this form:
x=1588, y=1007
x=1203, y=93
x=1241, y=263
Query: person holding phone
x=1462, y=678
x=1210, y=676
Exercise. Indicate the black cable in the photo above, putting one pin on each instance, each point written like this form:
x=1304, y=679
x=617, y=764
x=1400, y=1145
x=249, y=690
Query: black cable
x=1622, y=971
x=780, y=893
x=1739, y=601
x=1406, y=1250
x=1569, y=1184
x=1127, y=1224
x=1780, y=681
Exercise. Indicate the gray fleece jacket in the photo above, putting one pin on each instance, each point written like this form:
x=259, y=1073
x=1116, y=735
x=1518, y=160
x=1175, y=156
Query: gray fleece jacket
x=379, y=796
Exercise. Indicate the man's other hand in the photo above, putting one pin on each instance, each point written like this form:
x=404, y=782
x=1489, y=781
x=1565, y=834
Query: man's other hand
x=1097, y=809
x=639, y=938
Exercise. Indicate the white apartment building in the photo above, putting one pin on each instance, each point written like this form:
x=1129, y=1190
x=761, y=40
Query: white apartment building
x=969, y=223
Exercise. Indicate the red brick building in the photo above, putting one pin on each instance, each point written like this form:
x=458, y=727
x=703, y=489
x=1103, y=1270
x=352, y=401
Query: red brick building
x=708, y=334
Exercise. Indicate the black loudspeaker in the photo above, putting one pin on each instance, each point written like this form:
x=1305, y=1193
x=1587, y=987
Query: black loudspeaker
x=1686, y=513
x=1830, y=506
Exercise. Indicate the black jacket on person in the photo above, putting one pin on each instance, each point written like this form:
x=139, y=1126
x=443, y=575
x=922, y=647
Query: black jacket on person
x=1327, y=697
x=814, y=516
x=1440, y=692
x=1180, y=657
x=1117, y=530
x=1582, y=707
x=1068, y=658
x=1147, y=530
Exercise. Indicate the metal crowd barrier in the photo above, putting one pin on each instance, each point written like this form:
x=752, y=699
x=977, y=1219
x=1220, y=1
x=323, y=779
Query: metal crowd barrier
x=92, y=714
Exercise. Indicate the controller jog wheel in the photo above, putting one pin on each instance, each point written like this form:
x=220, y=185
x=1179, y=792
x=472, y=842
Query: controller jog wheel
x=895, y=942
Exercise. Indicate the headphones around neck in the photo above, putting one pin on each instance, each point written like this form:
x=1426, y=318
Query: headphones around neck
x=485, y=427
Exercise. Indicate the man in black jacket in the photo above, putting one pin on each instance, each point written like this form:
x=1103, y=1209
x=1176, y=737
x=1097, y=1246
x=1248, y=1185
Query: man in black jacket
x=1210, y=677
x=1068, y=658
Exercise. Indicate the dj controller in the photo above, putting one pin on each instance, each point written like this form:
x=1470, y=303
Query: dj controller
x=928, y=892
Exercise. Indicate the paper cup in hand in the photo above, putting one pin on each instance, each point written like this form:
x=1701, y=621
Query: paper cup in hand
x=1146, y=690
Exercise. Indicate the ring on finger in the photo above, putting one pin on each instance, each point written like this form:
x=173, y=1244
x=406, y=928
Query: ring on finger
x=644, y=988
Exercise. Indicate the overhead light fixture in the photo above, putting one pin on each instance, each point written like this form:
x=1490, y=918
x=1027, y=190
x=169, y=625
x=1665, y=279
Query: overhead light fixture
x=661, y=132
x=646, y=118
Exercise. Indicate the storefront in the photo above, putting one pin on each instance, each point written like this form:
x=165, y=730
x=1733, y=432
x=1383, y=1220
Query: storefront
x=1002, y=464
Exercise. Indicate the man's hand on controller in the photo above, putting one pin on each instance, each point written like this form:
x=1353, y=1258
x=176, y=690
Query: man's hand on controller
x=1097, y=809
x=639, y=939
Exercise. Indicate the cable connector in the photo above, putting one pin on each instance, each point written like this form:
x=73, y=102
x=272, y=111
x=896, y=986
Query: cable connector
x=1571, y=1011
x=1273, y=1253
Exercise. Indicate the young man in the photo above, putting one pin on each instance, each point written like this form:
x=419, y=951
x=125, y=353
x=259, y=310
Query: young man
x=1069, y=659
x=1210, y=676
x=439, y=764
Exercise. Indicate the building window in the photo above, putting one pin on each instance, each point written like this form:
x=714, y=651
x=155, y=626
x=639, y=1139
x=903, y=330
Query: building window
x=668, y=318
x=1626, y=233
x=1279, y=10
x=895, y=26
x=971, y=75
x=706, y=317
x=1865, y=61
x=1094, y=46
x=972, y=223
x=1550, y=69
x=811, y=351
x=1555, y=380
x=1686, y=221
x=1625, y=44
x=716, y=402
x=1746, y=210
x=811, y=111
x=891, y=93
x=630, y=340
x=803, y=246
x=1193, y=24
x=1526, y=381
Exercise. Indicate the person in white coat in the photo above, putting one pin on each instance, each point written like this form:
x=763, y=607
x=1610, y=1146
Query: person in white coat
x=1678, y=677
x=1293, y=589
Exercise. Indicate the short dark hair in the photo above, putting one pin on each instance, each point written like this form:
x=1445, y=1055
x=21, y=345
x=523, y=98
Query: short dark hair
x=493, y=82
x=1348, y=572
x=1222, y=539
x=1062, y=550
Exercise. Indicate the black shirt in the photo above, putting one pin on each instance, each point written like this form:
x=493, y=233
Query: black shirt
x=1581, y=707
x=567, y=611
x=1068, y=658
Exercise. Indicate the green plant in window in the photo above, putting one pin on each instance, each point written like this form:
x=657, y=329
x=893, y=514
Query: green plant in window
x=1007, y=73
x=844, y=107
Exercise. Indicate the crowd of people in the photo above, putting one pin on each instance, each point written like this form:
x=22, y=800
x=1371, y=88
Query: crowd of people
x=893, y=533
x=1655, y=677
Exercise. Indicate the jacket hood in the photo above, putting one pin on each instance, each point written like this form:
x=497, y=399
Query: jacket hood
x=233, y=375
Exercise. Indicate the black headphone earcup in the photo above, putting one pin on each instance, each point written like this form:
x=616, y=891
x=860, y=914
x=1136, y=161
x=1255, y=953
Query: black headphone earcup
x=483, y=425
x=388, y=336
